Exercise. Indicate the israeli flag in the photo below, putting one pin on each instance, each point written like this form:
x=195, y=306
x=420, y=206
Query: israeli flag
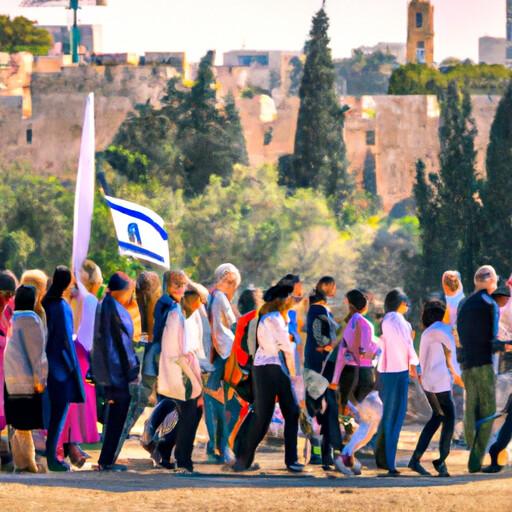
x=140, y=232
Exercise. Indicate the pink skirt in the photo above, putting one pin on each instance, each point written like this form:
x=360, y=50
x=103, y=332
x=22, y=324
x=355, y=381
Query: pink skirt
x=80, y=426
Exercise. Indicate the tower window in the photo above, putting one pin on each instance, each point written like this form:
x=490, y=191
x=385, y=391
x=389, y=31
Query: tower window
x=419, y=20
x=370, y=138
x=420, y=52
x=29, y=135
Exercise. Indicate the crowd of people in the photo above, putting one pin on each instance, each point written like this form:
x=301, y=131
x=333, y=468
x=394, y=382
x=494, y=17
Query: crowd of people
x=75, y=351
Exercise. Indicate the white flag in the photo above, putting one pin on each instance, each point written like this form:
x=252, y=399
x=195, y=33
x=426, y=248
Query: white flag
x=140, y=232
x=84, y=193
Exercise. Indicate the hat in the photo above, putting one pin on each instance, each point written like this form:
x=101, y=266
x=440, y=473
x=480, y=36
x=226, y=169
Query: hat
x=502, y=291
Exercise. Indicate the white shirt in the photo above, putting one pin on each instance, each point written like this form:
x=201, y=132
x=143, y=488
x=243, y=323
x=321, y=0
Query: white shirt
x=452, y=305
x=273, y=337
x=435, y=375
x=397, y=345
x=222, y=321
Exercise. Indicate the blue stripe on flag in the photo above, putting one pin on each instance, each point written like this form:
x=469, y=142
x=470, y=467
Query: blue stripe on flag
x=140, y=216
x=141, y=250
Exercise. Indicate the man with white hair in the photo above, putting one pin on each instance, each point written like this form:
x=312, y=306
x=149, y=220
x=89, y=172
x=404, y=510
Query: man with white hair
x=477, y=325
x=222, y=319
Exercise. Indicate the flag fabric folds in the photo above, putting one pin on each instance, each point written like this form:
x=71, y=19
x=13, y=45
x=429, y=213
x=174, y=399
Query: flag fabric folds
x=140, y=232
x=84, y=192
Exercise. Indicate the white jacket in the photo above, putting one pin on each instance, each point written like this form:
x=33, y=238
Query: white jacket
x=179, y=375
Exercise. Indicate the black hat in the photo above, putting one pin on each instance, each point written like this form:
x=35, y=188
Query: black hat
x=502, y=291
x=119, y=281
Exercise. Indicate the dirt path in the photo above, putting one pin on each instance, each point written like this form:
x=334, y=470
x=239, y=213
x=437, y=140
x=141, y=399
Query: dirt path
x=145, y=489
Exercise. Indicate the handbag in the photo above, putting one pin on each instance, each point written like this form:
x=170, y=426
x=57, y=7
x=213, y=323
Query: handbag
x=315, y=383
x=24, y=411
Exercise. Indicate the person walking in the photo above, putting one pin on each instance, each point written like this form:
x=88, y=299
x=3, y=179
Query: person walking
x=64, y=378
x=398, y=361
x=437, y=378
x=354, y=373
x=80, y=426
x=26, y=372
x=477, y=326
x=179, y=379
x=115, y=364
x=273, y=369
x=320, y=357
x=219, y=401
x=175, y=283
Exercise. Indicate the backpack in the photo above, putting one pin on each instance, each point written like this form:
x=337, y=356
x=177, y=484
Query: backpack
x=237, y=370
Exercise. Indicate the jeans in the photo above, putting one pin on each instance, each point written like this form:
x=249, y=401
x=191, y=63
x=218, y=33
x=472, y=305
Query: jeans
x=394, y=392
x=480, y=386
x=215, y=418
x=443, y=413
x=59, y=407
x=270, y=382
x=504, y=436
x=117, y=410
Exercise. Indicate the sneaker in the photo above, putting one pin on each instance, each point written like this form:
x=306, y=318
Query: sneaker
x=58, y=466
x=357, y=467
x=340, y=466
x=166, y=464
x=118, y=468
x=415, y=465
x=392, y=473
x=441, y=468
x=229, y=456
x=296, y=467
x=184, y=471
x=492, y=468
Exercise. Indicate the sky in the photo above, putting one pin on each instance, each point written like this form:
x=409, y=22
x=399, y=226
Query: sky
x=195, y=26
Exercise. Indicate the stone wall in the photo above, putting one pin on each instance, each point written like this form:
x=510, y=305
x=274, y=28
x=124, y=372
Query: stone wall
x=390, y=131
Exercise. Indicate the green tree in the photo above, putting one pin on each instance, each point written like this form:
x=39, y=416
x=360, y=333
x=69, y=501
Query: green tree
x=428, y=262
x=365, y=73
x=497, y=204
x=460, y=213
x=319, y=155
x=234, y=131
x=476, y=78
x=21, y=35
x=145, y=147
x=448, y=203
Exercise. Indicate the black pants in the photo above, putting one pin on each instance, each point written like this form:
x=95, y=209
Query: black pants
x=117, y=409
x=443, y=412
x=355, y=381
x=270, y=382
x=504, y=435
x=189, y=416
x=330, y=427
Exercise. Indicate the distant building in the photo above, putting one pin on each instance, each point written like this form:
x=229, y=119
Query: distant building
x=420, y=32
x=90, y=39
x=398, y=50
x=265, y=69
x=497, y=50
x=492, y=50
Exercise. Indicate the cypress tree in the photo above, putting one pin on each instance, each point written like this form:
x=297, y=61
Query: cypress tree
x=235, y=131
x=203, y=138
x=496, y=193
x=319, y=155
x=459, y=211
x=427, y=207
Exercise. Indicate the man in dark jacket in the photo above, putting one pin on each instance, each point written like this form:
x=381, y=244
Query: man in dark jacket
x=477, y=325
